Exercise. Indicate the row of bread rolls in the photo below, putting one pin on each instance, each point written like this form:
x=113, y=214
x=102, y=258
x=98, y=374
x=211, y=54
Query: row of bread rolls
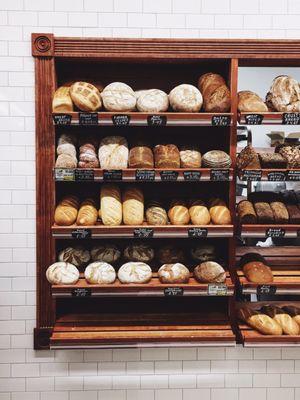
x=212, y=93
x=128, y=208
x=273, y=320
x=283, y=96
x=100, y=272
x=255, y=268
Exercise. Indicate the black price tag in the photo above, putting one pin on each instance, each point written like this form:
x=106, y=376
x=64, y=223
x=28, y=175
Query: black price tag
x=291, y=119
x=251, y=175
x=219, y=174
x=220, y=120
x=112, y=175
x=143, y=232
x=81, y=233
x=81, y=292
x=217, y=289
x=83, y=175
x=169, y=175
x=121, y=120
x=192, y=175
x=145, y=175
x=254, y=119
x=157, y=120
x=266, y=289
x=275, y=232
x=197, y=232
x=62, y=119
x=86, y=118
x=293, y=175
x=64, y=174
x=276, y=176
x=173, y=291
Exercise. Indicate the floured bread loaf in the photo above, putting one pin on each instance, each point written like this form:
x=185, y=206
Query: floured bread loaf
x=87, y=156
x=66, y=148
x=210, y=272
x=66, y=211
x=107, y=253
x=216, y=95
x=113, y=152
x=135, y=272
x=118, y=96
x=141, y=157
x=185, y=98
x=62, y=273
x=110, y=205
x=139, y=252
x=156, y=214
x=166, y=156
x=153, y=100
x=250, y=102
x=77, y=256
x=190, y=157
x=85, y=96
x=62, y=101
x=284, y=94
x=100, y=272
x=87, y=214
x=133, y=206
x=65, y=161
x=179, y=213
x=199, y=213
x=173, y=273
x=67, y=138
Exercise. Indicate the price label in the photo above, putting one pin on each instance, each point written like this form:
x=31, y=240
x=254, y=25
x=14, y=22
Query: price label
x=81, y=292
x=266, y=289
x=173, y=291
x=197, y=232
x=251, y=175
x=217, y=289
x=64, y=174
x=143, y=232
x=291, y=119
x=169, y=175
x=293, y=175
x=86, y=118
x=220, y=120
x=112, y=175
x=145, y=175
x=275, y=232
x=219, y=174
x=84, y=175
x=62, y=119
x=121, y=120
x=81, y=233
x=192, y=175
x=276, y=176
x=157, y=120
x=254, y=119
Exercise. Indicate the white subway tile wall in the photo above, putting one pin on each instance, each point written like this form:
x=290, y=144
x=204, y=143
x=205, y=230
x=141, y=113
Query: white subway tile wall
x=148, y=374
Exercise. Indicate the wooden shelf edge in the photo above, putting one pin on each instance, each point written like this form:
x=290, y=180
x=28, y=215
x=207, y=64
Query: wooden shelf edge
x=267, y=118
x=270, y=175
x=259, y=231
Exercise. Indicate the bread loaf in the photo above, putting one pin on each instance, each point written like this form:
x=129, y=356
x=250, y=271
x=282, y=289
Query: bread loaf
x=62, y=102
x=292, y=156
x=139, y=252
x=113, y=152
x=135, y=272
x=261, y=322
x=141, y=157
x=247, y=159
x=133, y=206
x=190, y=157
x=250, y=257
x=85, y=96
x=216, y=95
x=264, y=213
x=66, y=161
x=66, y=148
x=110, y=205
x=210, y=272
x=100, y=273
x=280, y=212
x=257, y=272
x=108, y=253
x=170, y=254
x=66, y=211
x=153, y=100
x=87, y=214
x=87, y=156
x=77, y=256
x=250, y=102
x=220, y=215
x=199, y=213
x=203, y=252
x=294, y=312
x=272, y=160
x=216, y=159
x=246, y=212
x=156, y=214
x=185, y=98
x=179, y=213
x=294, y=213
x=118, y=96
x=288, y=325
x=62, y=273
x=284, y=94
x=166, y=156
x=68, y=138
x=173, y=273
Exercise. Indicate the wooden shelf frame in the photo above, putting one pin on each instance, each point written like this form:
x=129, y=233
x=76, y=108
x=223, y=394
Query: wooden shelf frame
x=259, y=230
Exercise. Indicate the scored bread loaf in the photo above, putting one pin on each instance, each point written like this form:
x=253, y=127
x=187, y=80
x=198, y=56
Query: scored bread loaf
x=117, y=96
x=284, y=94
x=166, y=156
x=152, y=100
x=288, y=325
x=216, y=95
x=113, y=152
x=139, y=252
x=246, y=212
x=190, y=157
x=135, y=272
x=100, y=272
x=280, y=212
x=85, y=96
x=156, y=214
x=185, y=98
x=110, y=205
x=258, y=272
x=203, y=252
x=62, y=101
x=259, y=321
x=250, y=102
x=199, y=213
x=87, y=156
x=220, y=214
x=294, y=312
x=173, y=273
x=141, y=157
x=87, y=214
x=65, y=161
x=77, y=256
x=179, y=213
x=62, y=273
x=107, y=253
x=133, y=206
x=66, y=211
x=210, y=272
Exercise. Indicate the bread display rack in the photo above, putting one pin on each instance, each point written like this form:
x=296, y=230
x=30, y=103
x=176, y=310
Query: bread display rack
x=152, y=314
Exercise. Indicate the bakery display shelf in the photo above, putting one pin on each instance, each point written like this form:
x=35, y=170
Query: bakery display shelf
x=268, y=118
x=270, y=174
x=272, y=230
x=153, y=288
x=119, y=119
x=142, y=330
x=141, y=231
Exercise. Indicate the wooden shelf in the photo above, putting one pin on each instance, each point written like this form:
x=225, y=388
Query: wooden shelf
x=271, y=175
x=269, y=118
x=261, y=231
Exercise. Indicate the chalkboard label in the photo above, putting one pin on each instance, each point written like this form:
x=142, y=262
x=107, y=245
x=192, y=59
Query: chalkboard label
x=121, y=120
x=62, y=119
x=192, y=175
x=86, y=118
x=254, y=119
x=217, y=289
x=291, y=119
x=112, y=175
x=145, y=175
x=197, y=232
x=81, y=292
x=81, y=233
x=173, y=291
x=293, y=175
x=275, y=232
x=251, y=175
x=143, y=232
x=220, y=120
x=266, y=289
x=64, y=174
x=276, y=176
x=157, y=120
x=169, y=175
x=219, y=174
x=84, y=175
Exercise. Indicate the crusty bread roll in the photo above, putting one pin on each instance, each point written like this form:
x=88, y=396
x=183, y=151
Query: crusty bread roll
x=118, y=96
x=66, y=211
x=85, y=96
x=210, y=272
x=152, y=100
x=138, y=252
x=100, y=272
x=220, y=215
x=110, y=205
x=135, y=272
x=261, y=322
x=284, y=94
x=185, y=98
x=257, y=272
x=133, y=206
x=62, y=101
x=113, y=152
x=62, y=273
x=88, y=213
x=108, y=253
x=199, y=213
x=156, y=214
x=77, y=256
x=173, y=273
x=190, y=157
x=166, y=156
x=250, y=102
x=179, y=213
x=288, y=325
x=216, y=95
x=141, y=157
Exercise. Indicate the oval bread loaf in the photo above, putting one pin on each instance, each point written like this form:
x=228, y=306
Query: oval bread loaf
x=62, y=273
x=100, y=273
x=110, y=205
x=135, y=272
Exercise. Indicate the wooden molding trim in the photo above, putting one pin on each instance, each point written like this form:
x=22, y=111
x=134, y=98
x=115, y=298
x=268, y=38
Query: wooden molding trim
x=42, y=44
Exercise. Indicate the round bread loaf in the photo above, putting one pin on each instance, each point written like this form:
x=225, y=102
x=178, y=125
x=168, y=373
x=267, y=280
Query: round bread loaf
x=85, y=96
x=66, y=148
x=118, y=96
x=77, y=256
x=133, y=206
x=179, y=213
x=66, y=161
x=110, y=205
x=199, y=213
x=135, y=272
x=186, y=98
x=257, y=272
x=156, y=214
x=173, y=273
x=250, y=257
x=166, y=156
x=139, y=252
x=216, y=159
x=210, y=272
x=62, y=273
x=190, y=157
x=250, y=102
x=113, y=152
x=170, y=254
x=220, y=215
x=153, y=100
x=108, y=253
x=100, y=273
x=284, y=94
x=216, y=95
x=141, y=157
x=203, y=253
x=66, y=211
